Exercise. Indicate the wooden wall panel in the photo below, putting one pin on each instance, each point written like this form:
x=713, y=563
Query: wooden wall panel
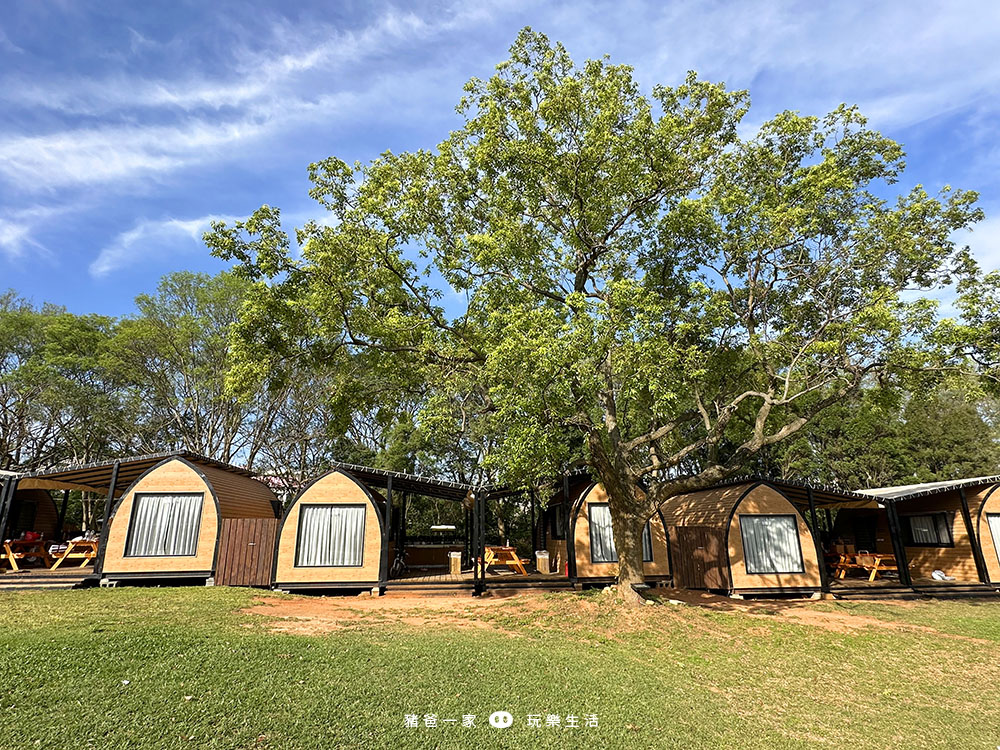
x=172, y=476
x=991, y=547
x=705, y=508
x=660, y=566
x=957, y=561
x=766, y=500
x=334, y=488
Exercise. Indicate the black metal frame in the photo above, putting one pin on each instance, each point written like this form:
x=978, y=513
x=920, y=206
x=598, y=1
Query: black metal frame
x=824, y=578
x=977, y=549
x=898, y=547
x=106, y=525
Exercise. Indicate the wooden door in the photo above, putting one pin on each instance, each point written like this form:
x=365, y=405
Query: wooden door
x=700, y=558
x=246, y=552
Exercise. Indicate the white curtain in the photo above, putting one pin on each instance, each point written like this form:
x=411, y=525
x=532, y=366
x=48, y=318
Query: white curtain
x=165, y=525
x=929, y=529
x=602, y=537
x=994, y=521
x=771, y=544
x=647, y=544
x=331, y=535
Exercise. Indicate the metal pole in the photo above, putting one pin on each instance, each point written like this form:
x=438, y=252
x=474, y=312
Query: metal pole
x=570, y=530
x=820, y=554
x=386, y=535
x=534, y=529
x=105, y=526
x=474, y=541
x=6, y=496
x=62, y=515
x=977, y=551
x=898, y=545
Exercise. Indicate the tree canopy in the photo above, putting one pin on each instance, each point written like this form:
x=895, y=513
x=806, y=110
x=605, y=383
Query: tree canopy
x=581, y=273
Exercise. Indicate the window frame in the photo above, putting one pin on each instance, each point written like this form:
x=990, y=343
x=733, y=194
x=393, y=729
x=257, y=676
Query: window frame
x=298, y=532
x=798, y=545
x=949, y=523
x=557, y=513
x=131, y=524
x=590, y=528
x=993, y=537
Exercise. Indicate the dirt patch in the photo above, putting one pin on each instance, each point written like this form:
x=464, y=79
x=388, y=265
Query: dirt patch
x=316, y=615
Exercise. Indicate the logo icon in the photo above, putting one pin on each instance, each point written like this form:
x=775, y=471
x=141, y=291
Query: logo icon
x=501, y=719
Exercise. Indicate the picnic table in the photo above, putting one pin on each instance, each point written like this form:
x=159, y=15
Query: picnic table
x=872, y=563
x=504, y=556
x=81, y=549
x=20, y=549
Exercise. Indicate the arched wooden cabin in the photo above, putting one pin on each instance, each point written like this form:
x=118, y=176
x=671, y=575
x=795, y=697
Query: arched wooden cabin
x=744, y=538
x=576, y=531
x=168, y=523
x=331, y=536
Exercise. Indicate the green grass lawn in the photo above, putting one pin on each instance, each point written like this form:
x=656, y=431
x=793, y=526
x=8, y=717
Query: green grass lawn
x=182, y=668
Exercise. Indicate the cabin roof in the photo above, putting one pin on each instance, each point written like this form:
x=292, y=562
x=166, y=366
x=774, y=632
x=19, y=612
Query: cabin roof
x=96, y=476
x=798, y=491
x=905, y=491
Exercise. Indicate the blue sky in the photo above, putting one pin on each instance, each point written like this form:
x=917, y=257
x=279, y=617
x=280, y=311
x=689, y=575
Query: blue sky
x=126, y=127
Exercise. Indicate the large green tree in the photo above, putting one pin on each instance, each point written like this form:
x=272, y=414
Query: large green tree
x=582, y=273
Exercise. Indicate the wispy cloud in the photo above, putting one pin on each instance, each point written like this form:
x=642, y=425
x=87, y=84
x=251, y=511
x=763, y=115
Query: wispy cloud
x=192, y=120
x=151, y=240
x=13, y=238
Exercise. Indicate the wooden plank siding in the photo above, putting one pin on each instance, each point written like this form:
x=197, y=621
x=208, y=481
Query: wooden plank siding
x=239, y=496
x=958, y=560
x=246, y=552
x=46, y=515
x=982, y=503
x=700, y=557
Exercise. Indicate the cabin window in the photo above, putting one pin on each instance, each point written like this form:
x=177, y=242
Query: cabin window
x=993, y=519
x=927, y=530
x=771, y=544
x=602, y=538
x=558, y=517
x=331, y=536
x=164, y=524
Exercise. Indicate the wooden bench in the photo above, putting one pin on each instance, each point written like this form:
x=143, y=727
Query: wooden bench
x=82, y=549
x=21, y=549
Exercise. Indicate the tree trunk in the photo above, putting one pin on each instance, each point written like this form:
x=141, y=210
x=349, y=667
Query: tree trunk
x=627, y=527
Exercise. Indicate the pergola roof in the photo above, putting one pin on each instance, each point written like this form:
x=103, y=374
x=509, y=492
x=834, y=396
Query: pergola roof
x=96, y=477
x=906, y=491
x=402, y=482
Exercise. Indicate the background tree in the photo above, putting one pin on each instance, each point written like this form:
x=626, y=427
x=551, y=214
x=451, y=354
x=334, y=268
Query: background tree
x=635, y=278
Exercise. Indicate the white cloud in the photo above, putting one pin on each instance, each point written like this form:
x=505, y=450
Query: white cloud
x=13, y=238
x=152, y=239
x=984, y=241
